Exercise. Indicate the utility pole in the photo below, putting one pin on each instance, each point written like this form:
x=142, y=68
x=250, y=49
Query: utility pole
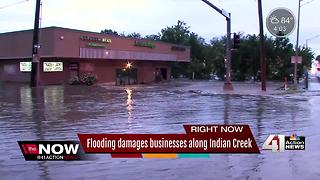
x=263, y=66
x=297, y=48
x=227, y=84
x=35, y=68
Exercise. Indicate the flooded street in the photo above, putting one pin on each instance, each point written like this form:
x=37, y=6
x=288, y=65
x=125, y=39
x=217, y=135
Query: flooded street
x=61, y=112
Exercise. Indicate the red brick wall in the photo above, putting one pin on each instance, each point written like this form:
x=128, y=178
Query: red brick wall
x=55, y=77
x=61, y=42
x=14, y=75
x=104, y=69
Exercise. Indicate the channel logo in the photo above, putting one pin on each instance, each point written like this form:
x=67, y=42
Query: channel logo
x=51, y=150
x=280, y=143
x=295, y=142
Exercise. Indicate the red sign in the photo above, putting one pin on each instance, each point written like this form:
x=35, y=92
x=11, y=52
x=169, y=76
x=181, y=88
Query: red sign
x=297, y=59
x=198, y=139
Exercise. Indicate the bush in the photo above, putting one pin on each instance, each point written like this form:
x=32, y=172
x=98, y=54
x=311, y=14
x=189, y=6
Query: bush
x=75, y=81
x=84, y=78
x=88, y=78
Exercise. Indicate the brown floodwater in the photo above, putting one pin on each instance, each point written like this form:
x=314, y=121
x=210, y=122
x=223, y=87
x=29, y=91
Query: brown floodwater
x=60, y=112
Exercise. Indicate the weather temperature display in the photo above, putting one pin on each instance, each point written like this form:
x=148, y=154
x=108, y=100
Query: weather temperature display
x=280, y=22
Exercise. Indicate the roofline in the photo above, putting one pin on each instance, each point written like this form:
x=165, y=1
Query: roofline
x=29, y=58
x=92, y=32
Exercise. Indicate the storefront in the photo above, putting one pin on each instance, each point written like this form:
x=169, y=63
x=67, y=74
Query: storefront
x=66, y=53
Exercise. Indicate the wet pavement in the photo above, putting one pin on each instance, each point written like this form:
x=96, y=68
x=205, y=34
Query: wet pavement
x=60, y=112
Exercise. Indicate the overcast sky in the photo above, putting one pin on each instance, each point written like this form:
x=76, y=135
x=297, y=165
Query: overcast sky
x=150, y=16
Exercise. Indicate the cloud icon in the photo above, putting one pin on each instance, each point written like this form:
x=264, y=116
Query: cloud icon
x=274, y=20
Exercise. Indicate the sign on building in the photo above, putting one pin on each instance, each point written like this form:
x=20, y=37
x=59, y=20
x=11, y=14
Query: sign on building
x=52, y=66
x=25, y=66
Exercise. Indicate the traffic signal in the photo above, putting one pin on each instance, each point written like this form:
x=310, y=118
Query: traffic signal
x=236, y=41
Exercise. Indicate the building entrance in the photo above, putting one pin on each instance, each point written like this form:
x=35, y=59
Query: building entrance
x=126, y=76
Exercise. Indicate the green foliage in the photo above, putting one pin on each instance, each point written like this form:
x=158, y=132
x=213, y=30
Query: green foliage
x=84, y=78
x=215, y=57
x=88, y=78
x=75, y=80
x=209, y=59
x=307, y=56
x=154, y=37
x=109, y=31
x=135, y=35
x=178, y=34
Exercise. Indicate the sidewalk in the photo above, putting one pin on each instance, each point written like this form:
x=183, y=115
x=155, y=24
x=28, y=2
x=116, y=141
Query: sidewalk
x=241, y=88
x=216, y=87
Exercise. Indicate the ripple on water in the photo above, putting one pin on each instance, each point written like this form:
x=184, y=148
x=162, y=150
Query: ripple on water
x=152, y=109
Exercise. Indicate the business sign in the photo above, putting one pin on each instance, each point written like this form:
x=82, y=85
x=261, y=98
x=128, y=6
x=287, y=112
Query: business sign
x=96, y=45
x=95, y=39
x=144, y=44
x=52, y=66
x=25, y=66
x=281, y=22
x=297, y=59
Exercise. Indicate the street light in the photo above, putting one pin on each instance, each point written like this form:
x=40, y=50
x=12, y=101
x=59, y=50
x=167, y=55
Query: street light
x=129, y=65
x=314, y=37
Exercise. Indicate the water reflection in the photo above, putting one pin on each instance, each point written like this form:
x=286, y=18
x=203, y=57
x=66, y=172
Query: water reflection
x=260, y=103
x=129, y=104
x=53, y=102
x=226, y=109
x=26, y=100
x=38, y=117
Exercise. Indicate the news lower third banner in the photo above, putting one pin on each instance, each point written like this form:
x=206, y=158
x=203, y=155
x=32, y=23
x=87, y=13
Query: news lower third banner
x=198, y=141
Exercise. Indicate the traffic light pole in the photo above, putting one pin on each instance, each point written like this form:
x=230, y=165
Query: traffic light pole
x=227, y=84
x=35, y=48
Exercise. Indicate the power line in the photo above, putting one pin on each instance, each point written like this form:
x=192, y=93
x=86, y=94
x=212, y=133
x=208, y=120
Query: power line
x=13, y=4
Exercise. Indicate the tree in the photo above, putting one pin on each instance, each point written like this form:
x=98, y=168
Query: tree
x=307, y=56
x=215, y=56
x=279, y=63
x=248, y=57
x=178, y=34
x=207, y=59
x=134, y=35
x=154, y=37
x=109, y=31
x=199, y=64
